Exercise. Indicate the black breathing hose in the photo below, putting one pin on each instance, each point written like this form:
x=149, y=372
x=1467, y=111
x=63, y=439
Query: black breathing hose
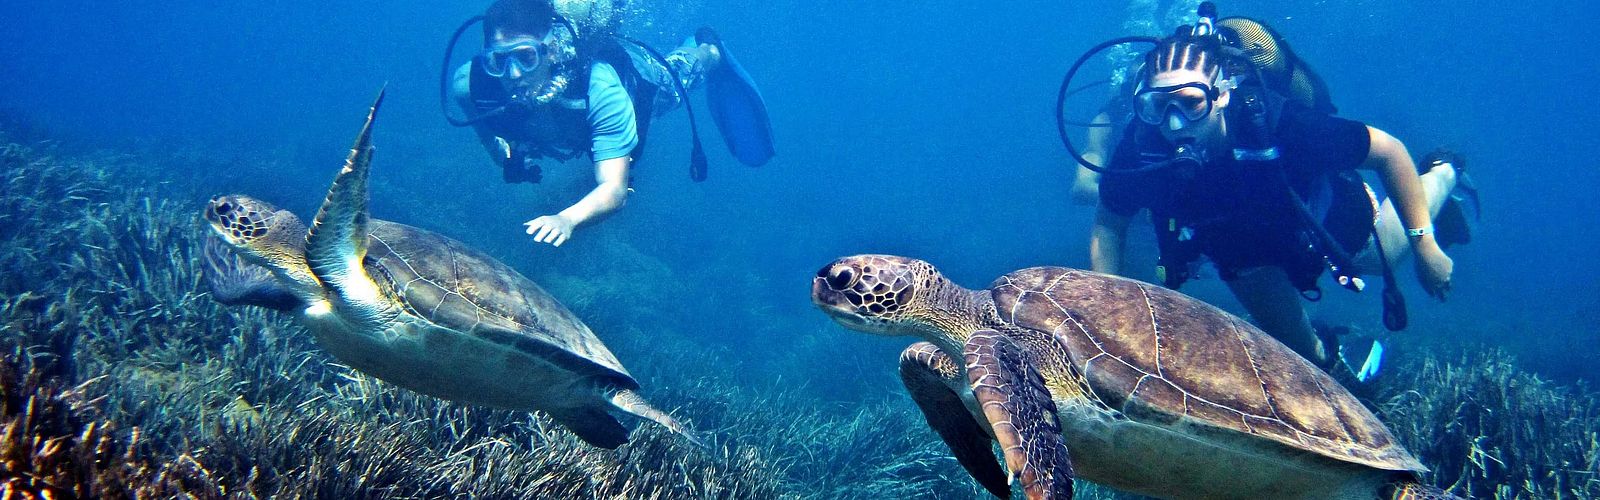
x=444, y=80
x=1066, y=91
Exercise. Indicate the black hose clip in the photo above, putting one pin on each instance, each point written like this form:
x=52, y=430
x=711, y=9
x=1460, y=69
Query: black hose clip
x=520, y=167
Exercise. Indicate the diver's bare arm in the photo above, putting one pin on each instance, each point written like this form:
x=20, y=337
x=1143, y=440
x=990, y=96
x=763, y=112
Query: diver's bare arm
x=1106, y=241
x=611, y=191
x=1389, y=158
x=1086, y=186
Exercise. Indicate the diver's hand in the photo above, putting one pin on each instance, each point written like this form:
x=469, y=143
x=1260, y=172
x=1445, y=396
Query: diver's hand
x=1434, y=269
x=552, y=229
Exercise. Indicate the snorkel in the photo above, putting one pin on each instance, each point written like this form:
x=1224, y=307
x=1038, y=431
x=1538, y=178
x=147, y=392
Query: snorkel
x=562, y=44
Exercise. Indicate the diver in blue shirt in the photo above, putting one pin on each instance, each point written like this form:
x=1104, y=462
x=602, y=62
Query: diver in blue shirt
x=545, y=88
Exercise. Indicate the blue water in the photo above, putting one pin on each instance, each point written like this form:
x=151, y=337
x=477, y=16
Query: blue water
x=914, y=128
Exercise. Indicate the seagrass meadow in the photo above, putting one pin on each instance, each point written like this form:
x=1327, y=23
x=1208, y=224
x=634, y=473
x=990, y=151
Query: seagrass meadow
x=120, y=378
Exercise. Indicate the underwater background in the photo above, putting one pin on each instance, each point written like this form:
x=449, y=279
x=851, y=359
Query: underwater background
x=916, y=128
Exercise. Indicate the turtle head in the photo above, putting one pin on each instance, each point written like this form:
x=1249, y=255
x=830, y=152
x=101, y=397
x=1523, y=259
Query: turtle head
x=260, y=233
x=889, y=295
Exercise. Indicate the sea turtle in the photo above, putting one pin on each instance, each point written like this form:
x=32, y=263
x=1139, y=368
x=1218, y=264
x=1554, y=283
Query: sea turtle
x=1153, y=391
x=419, y=310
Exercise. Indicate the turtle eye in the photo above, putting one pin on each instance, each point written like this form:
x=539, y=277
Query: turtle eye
x=224, y=208
x=841, y=277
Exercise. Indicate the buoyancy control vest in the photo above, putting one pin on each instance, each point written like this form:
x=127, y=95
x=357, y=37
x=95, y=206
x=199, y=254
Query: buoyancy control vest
x=564, y=133
x=559, y=129
x=1337, y=218
x=1273, y=75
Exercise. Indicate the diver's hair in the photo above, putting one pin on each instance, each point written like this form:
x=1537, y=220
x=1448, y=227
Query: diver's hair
x=529, y=17
x=1203, y=54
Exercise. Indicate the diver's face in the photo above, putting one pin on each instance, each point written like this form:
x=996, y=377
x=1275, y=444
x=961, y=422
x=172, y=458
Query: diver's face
x=1177, y=128
x=515, y=77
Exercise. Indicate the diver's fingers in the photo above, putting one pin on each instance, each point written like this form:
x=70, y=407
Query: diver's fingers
x=562, y=239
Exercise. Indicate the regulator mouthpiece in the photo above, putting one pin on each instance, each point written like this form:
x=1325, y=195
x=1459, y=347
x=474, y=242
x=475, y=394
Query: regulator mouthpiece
x=1187, y=152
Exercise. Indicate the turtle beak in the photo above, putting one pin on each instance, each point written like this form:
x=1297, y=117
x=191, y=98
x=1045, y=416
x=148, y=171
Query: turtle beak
x=828, y=299
x=215, y=211
x=836, y=304
x=833, y=302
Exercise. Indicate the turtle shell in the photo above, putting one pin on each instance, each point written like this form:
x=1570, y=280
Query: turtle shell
x=458, y=288
x=1161, y=357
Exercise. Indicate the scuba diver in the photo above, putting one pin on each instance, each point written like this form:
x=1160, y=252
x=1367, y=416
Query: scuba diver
x=545, y=88
x=1234, y=150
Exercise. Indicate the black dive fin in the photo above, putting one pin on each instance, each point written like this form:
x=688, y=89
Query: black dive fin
x=1018, y=406
x=929, y=376
x=1451, y=226
x=593, y=426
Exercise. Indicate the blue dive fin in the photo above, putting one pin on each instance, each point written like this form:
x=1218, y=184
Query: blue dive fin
x=737, y=107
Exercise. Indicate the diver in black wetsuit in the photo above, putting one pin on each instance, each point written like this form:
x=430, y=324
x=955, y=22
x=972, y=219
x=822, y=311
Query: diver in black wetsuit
x=1265, y=188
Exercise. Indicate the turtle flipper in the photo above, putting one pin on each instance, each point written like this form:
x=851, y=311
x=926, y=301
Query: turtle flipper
x=1412, y=490
x=337, y=242
x=593, y=426
x=1014, y=399
x=630, y=401
x=931, y=377
x=338, y=238
x=235, y=281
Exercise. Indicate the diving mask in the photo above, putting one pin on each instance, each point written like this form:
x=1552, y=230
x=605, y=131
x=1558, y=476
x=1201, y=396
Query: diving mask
x=1192, y=102
x=556, y=47
x=525, y=56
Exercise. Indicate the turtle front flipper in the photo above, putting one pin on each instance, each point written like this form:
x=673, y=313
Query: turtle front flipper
x=932, y=377
x=1018, y=406
x=235, y=281
x=337, y=242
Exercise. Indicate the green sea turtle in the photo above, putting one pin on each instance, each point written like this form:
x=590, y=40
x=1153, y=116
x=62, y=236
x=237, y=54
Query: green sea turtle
x=1154, y=392
x=419, y=310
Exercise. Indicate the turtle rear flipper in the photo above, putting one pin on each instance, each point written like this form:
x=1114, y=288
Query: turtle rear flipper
x=1412, y=490
x=931, y=376
x=593, y=426
x=630, y=401
x=1018, y=406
